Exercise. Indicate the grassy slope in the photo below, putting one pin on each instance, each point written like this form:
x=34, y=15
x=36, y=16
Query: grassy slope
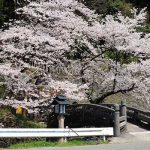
x=10, y=119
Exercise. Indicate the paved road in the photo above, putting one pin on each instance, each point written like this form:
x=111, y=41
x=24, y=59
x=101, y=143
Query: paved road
x=124, y=146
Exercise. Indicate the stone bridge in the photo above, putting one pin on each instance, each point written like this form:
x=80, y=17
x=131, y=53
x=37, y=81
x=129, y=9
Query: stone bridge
x=127, y=121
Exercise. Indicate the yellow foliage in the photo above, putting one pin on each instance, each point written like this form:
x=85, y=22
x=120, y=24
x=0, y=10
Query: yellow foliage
x=19, y=110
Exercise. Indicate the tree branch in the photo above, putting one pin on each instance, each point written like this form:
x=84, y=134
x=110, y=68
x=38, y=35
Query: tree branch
x=101, y=98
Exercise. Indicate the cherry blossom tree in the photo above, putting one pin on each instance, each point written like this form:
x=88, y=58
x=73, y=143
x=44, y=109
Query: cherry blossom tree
x=61, y=45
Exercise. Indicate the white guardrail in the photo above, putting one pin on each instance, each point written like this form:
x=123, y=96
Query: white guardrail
x=53, y=132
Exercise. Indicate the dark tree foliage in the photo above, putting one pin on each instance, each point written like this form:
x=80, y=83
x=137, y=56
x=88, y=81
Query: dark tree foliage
x=112, y=6
x=7, y=9
x=101, y=6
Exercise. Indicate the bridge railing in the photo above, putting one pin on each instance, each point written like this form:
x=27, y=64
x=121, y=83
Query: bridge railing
x=120, y=117
x=138, y=115
x=88, y=115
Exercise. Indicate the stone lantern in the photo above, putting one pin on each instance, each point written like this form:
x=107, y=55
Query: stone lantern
x=60, y=103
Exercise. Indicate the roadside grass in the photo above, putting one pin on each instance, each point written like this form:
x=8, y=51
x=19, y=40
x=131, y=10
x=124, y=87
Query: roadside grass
x=69, y=143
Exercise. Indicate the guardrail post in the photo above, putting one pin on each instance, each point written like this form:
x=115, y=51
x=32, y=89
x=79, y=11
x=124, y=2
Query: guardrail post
x=124, y=112
x=117, y=121
x=65, y=139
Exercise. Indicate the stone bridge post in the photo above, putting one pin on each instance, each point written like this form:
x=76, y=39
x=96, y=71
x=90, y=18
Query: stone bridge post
x=117, y=121
x=124, y=112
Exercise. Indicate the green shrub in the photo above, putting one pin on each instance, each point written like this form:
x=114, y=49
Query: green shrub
x=144, y=28
x=4, y=112
x=27, y=123
x=3, y=88
x=121, y=5
x=8, y=113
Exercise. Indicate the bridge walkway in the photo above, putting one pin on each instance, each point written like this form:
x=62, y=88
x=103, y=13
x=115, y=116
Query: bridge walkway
x=134, y=134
